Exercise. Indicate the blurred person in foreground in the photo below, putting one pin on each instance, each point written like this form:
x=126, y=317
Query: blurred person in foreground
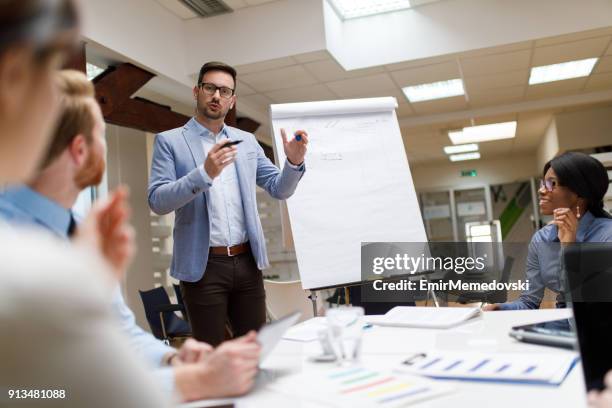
x=76, y=159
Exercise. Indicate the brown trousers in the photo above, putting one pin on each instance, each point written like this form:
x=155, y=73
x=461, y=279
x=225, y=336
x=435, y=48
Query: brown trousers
x=230, y=290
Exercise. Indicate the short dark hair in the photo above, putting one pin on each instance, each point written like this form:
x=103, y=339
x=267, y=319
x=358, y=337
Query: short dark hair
x=585, y=176
x=217, y=66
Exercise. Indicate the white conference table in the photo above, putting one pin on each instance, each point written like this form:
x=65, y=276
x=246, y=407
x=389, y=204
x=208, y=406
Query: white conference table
x=385, y=347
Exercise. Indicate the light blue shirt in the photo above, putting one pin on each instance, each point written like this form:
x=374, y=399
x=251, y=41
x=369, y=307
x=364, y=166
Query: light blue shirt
x=544, y=267
x=227, y=220
x=24, y=207
x=227, y=224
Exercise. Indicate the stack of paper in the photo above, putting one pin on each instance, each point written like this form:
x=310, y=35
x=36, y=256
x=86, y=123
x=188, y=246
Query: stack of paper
x=425, y=317
x=543, y=369
x=359, y=387
x=307, y=330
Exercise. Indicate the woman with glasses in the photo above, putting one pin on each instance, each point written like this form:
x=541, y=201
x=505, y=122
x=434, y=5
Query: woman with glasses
x=572, y=191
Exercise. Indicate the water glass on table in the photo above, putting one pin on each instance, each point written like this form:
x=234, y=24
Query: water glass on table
x=345, y=324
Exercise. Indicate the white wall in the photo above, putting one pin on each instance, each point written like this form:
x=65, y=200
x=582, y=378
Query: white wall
x=584, y=129
x=549, y=146
x=581, y=129
x=446, y=175
x=127, y=164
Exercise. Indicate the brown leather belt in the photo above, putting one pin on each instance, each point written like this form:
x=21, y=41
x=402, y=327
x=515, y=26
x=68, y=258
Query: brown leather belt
x=231, y=251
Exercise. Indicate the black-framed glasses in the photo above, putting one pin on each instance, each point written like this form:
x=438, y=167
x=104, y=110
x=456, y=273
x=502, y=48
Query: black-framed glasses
x=210, y=89
x=548, y=184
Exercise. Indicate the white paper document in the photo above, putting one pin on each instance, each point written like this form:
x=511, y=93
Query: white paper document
x=358, y=386
x=543, y=369
x=307, y=330
x=425, y=317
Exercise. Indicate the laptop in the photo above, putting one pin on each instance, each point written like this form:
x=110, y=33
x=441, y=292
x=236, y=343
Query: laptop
x=588, y=272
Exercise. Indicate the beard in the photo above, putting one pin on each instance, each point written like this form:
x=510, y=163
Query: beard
x=92, y=172
x=206, y=111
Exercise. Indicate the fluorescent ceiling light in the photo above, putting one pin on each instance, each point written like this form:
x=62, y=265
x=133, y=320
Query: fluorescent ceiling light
x=434, y=90
x=558, y=72
x=93, y=70
x=484, y=133
x=464, y=156
x=464, y=148
x=348, y=9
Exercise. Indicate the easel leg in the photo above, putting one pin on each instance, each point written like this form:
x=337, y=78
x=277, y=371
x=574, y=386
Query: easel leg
x=313, y=299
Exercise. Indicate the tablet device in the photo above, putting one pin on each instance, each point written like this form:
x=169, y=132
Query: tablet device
x=555, y=333
x=269, y=335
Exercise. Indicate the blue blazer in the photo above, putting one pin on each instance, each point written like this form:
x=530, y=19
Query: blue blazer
x=176, y=184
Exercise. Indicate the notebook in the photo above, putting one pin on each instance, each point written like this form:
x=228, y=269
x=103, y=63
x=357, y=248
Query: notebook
x=425, y=317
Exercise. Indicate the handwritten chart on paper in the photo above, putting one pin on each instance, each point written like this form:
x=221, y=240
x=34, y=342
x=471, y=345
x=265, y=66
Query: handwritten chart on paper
x=357, y=187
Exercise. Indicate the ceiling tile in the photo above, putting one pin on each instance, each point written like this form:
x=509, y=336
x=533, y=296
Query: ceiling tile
x=258, y=2
x=501, y=49
x=599, y=82
x=243, y=89
x=582, y=35
x=329, y=70
x=362, y=87
x=420, y=62
x=440, y=105
x=178, y=9
x=404, y=110
x=264, y=65
x=427, y=74
x=558, y=88
x=236, y=4
x=312, y=56
x=258, y=101
x=496, y=147
x=496, y=96
x=490, y=64
x=603, y=65
x=505, y=79
x=303, y=94
x=494, y=119
x=272, y=80
x=576, y=50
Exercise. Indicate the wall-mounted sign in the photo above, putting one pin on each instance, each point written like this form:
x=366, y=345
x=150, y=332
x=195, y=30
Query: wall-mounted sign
x=469, y=173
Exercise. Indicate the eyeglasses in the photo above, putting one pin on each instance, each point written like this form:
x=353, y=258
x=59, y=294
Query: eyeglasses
x=548, y=184
x=210, y=89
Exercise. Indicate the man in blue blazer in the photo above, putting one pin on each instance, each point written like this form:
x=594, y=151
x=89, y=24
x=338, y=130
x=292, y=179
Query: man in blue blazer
x=219, y=247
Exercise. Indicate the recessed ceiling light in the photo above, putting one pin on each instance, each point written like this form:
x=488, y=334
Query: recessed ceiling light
x=464, y=156
x=464, y=148
x=484, y=133
x=434, y=90
x=348, y=9
x=558, y=72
